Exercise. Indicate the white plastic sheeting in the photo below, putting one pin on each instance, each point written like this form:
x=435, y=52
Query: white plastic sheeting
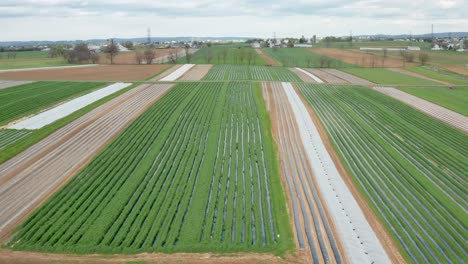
x=63, y=110
x=178, y=73
x=359, y=240
x=317, y=79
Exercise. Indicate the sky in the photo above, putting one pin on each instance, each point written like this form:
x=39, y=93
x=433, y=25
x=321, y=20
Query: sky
x=74, y=19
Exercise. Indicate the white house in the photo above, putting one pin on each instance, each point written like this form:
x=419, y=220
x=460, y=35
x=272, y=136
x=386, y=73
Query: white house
x=436, y=47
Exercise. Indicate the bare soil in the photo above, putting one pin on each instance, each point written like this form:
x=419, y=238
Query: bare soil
x=96, y=73
x=128, y=57
x=21, y=257
x=268, y=59
x=360, y=59
x=379, y=229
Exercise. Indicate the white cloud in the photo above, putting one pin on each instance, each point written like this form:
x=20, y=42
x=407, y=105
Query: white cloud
x=77, y=19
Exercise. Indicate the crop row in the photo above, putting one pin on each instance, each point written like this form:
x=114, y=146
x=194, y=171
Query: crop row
x=410, y=167
x=19, y=101
x=10, y=136
x=149, y=189
x=256, y=73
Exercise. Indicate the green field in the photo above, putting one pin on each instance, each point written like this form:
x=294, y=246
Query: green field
x=250, y=73
x=374, y=44
x=410, y=167
x=26, y=54
x=455, y=99
x=223, y=54
x=384, y=76
x=19, y=101
x=301, y=57
x=441, y=74
x=10, y=136
x=196, y=172
x=6, y=64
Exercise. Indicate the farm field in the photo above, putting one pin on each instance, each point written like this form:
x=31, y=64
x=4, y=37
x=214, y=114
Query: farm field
x=6, y=64
x=384, y=76
x=222, y=54
x=128, y=57
x=409, y=166
x=373, y=44
x=455, y=99
x=32, y=176
x=19, y=101
x=301, y=57
x=360, y=58
x=210, y=169
x=250, y=73
x=441, y=74
x=95, y=73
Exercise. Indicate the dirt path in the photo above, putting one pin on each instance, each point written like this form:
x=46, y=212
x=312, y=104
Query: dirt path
x=268, y=59
x=443, y=114
x=29, y=178
x=21, y=257
x=379, y=229
x=410, y=73
x=314, y=231
x=97, y=73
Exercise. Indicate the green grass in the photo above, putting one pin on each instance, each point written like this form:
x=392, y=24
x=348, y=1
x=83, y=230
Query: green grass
x=384, y=76
x=26, y=54
x=455, y=99
x=410, y=167
x=6, y=64
x=250, y=73
x=301, y=57
x=234, y=55
x=374, y=44
x=441, y=74
x=36, y=135
x=22, y=100
x=191, y=174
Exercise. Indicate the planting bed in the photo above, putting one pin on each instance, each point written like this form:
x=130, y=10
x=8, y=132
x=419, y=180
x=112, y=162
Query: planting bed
x=196, y=73
x=409, y=166
x=347, y=77
x=10, y=136
x=19, y=101
x=29, y=178
x=47, y=117
x=327, y=77
x=257, y=73
x=6, y=84
x=195, y=172
x=384, y=76
x=443, y=114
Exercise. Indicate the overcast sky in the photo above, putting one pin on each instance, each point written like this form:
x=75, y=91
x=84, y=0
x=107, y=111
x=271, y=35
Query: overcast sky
x=74, y=19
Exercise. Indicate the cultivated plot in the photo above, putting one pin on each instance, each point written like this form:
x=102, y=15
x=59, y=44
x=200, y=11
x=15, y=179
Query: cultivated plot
x=384, y=76
x=32, y=176
x=443, y=114
x=195, y=172
x=116, y=73
x=19, y=101
x=196, y=73
x=410, y=167
x=249, y=73
x=5, y=83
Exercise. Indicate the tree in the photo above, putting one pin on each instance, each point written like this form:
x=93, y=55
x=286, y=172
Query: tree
x=94, y=57
x=111, y=50
x=128, y=44
x=56, y=51
x=188, y=54
x=290, y=44
x=139, y=57
x=423, y=58
x=225, y=54
x=302, y=40
x=208, y=56
x=149, y=55
x=173, y=56
x=82, y=52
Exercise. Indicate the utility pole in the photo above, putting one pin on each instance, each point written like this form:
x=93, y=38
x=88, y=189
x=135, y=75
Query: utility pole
x=432, y=32
x=149, y=36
